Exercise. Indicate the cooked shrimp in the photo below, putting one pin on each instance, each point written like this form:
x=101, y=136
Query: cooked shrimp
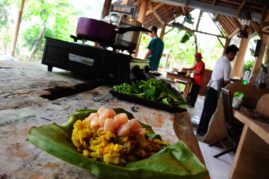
x=91, y=117
x=101, y=122
x=135, y=127
x=95, y=123
x=109, y=125
x=106, y=113
x=124, y=129
x=120, y=119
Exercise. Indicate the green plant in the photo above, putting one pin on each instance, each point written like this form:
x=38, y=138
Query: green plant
x=189, y=19
x=186, y=37
x=248, y=65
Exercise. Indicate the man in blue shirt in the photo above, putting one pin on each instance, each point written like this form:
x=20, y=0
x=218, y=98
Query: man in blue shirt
x=155, y=50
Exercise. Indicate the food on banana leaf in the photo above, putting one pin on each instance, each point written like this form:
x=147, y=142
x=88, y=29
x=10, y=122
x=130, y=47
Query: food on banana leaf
x=173, y=161
x=113, y=138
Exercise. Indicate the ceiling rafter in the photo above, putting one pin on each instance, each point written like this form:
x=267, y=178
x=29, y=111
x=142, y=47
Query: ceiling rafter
x=155, y=8
x=199, y=19
x=241, y=7
x=256, y=27
x=214, y=2
x=217, y=23
x=158, y=17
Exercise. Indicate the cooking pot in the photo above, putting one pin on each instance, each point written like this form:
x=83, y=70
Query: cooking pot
x=124, y=34
x=96, y=30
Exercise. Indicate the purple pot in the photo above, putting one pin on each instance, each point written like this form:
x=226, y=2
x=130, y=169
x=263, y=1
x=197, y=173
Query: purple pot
x=96, y=30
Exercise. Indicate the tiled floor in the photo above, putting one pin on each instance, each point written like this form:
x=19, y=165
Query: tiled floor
x=219, y=168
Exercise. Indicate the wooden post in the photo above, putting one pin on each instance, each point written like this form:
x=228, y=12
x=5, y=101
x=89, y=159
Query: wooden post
x=125, y=2
x=239, y=61
x=162, y=31
x=227, y=42
x=258, y=60
x=141, y=18
x=106, y=8
x=17, y=28
x=142, y=11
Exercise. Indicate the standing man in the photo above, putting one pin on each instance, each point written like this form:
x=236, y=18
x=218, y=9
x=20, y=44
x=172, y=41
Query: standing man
x=220, y=77
x=155, y=50
x=198, y=70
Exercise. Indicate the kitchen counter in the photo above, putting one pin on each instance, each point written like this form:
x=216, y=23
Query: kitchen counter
x=23, y=87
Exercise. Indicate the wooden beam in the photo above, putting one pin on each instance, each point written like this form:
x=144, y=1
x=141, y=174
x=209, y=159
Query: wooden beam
x=162, y=31
x=258, y=60
x=233, y=33
x=215, y=22
x=241, y=7
x=106, y=8
x=199, y=19
x=188, y=29
x=226, y=24
x=220, y=36
x=184, y=10
x=203, y=5
x=220, y=42
x=142, y=11
x=186, y=3
x=237, y=22
x=264, y=14
x=154, y=8
x=196, y=44
x=239, y=61
x=17, y=28
x=125, y=2
x=256, y=28
x=141, y=18
x=227, y=42
x=158, y=17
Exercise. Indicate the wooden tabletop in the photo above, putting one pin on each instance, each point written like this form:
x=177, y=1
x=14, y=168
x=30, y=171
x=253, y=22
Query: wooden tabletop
x=252, y=154
x=256, y=125
x=182, y=79
x=179, y=77
x=22, y=106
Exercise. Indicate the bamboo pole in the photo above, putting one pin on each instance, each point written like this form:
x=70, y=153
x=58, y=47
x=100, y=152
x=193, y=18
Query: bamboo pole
x=17, y=28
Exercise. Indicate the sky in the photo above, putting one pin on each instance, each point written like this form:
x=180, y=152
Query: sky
x=89, y=8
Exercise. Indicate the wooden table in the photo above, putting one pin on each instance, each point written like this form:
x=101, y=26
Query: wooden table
x=187, y=81
x=252, y=155
x=22, y=106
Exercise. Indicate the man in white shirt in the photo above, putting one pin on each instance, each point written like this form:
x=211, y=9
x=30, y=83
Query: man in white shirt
x=220, y=77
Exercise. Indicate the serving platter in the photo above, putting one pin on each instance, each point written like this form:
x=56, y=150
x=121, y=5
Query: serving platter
x=148, y=103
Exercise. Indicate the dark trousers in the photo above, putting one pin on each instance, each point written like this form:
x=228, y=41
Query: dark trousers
x=192, y=97
x=210, y=106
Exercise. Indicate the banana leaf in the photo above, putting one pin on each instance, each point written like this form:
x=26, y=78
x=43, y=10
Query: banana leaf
x=174, y=161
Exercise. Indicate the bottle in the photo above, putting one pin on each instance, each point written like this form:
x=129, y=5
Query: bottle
x=246, y=77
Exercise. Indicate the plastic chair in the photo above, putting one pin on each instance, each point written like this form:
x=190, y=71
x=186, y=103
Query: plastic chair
x=234, y=128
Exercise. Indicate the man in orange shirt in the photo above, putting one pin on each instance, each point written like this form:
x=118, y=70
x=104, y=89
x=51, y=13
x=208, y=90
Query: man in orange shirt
x=198, y=70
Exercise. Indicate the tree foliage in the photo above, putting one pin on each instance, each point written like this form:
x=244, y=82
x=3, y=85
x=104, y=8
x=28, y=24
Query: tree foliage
x=6, y=23
x=46, y=18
